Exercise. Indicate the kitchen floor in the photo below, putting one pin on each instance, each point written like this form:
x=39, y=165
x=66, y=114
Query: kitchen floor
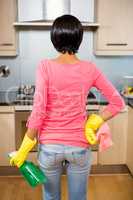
x=108, y=187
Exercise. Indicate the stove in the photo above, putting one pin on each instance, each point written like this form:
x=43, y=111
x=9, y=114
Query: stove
x=25, y=95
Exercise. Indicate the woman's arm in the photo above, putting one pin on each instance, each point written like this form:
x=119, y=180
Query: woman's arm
x=116, y=103
x=36, y=118
x=31, y=133
x=38, y=113
x=106, y=115
x=106, y=88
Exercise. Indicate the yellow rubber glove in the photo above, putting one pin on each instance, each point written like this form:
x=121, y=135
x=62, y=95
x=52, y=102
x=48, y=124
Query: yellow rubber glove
x=91, y=126
x=19, y=158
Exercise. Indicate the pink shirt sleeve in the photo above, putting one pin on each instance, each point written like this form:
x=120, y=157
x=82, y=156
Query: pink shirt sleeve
x=116, y=102
x=38, y=113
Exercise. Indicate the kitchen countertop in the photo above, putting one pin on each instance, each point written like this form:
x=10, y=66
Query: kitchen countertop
x=90, y=103
x=92, y=106
x=7, y=109
x=91, y=100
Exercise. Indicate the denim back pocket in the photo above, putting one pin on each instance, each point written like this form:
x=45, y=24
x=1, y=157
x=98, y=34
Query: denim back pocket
x=82, y=157
x=46, y=158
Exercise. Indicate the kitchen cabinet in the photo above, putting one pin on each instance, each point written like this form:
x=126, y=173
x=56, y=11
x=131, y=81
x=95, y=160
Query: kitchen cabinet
x=114, y=36
x=33, y=10
x=7, y=133
x=129, y=160
x=30, y=10
x=8, y=138
x=116, y=154
x=8, y=37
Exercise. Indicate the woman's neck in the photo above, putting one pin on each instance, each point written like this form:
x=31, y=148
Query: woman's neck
x=67, y=58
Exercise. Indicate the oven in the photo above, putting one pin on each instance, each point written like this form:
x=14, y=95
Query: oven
x=20, y=127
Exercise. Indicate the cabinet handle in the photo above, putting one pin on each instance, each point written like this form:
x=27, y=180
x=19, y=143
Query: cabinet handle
x=6, y=44
x=116, y=44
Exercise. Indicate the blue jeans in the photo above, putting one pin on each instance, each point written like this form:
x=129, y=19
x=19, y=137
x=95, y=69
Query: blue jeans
x=51, y=158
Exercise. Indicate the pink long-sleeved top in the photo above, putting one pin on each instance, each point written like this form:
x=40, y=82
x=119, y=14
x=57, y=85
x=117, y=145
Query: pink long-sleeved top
x=59, y=108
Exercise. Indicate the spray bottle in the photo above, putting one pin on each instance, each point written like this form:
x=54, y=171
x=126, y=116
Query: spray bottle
x=32, y=173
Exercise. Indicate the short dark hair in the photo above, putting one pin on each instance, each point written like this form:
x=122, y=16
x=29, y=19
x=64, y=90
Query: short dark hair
x=67, y=34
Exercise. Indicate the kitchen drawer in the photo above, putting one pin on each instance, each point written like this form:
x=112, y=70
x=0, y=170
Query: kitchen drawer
x=7, y=109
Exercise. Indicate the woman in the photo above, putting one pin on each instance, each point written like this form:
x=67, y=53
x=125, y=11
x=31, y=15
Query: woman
x=59, y=116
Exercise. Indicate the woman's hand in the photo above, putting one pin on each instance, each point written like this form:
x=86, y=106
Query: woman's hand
x=21, y=155
x=92, y=125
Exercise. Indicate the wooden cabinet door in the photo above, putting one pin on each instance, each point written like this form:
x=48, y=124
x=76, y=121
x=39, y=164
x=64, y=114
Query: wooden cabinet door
x=116, y=154
x=129, y=160
x=7, y=134
x=114, y=36
x=7, y=31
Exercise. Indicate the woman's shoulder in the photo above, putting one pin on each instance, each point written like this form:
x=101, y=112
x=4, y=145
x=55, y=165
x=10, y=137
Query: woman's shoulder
x=43, y=64
x=85, y=63
x=89, y=65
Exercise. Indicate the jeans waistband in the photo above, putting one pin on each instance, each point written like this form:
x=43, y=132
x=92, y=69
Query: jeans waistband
x=60, y=148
